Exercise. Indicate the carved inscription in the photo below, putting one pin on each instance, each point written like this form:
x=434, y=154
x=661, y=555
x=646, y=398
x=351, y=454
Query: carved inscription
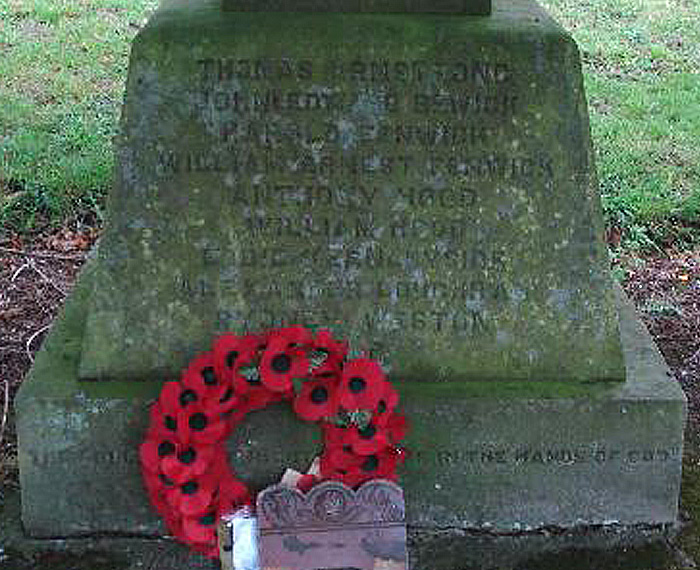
x=557, y=456
x=361, y=179
x=89, y=459
x=482, y=457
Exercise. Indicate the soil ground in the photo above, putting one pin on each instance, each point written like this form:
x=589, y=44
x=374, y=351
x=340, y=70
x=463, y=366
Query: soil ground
x=36, y=276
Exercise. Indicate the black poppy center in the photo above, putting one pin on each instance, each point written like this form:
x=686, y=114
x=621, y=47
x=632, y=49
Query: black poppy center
x=187, y=397
x=187, y=457
x=319, y=395
x=281, y=363
x=367, y=432
x=166, y=480
x=190, y=488
x=371, y=463
x=357, y=385
x=165, y=448
x=170, y=423
x=209, y=376
x=227, y=396
x=381, y=407
x=231, y=358
x=208, y=519
x=198, y=421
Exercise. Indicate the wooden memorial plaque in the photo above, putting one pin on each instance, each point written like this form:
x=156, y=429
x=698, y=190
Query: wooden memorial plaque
x=333, y=527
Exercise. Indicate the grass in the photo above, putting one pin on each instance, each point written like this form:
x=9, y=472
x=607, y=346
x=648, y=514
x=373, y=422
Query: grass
x=63, y=64
x=640, y=67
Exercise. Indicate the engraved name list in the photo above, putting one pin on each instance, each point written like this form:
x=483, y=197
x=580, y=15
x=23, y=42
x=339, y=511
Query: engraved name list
x=354, y=181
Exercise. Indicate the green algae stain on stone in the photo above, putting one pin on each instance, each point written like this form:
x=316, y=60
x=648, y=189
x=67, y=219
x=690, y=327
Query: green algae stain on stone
x=420, y=184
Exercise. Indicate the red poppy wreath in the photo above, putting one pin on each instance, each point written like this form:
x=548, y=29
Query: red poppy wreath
x=184, y=460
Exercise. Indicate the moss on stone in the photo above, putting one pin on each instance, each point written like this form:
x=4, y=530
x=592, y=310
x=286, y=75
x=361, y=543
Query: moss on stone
x=522, y=288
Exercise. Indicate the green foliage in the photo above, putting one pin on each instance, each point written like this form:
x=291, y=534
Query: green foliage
x=63, y=66
x=64, y=62
x=640, y=60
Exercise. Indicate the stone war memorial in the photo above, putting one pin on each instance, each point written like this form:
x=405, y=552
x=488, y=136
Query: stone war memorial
x=416, y=177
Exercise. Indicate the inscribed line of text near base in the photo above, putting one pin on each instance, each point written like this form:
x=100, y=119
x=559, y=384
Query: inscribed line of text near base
x=556, y=456
x=96, y=459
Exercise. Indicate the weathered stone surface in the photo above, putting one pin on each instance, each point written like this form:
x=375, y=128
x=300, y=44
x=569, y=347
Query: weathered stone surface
x=520, y=457
x=421, y=184
x=439, y=210
x=471, y=7
x=583, y=548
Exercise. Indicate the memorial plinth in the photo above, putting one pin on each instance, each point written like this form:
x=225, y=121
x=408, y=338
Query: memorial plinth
x=421, y=184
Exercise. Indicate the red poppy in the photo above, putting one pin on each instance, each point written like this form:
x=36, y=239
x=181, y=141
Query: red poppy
x=183, y=458
x=350, y=477
x=341, y=463
x=363, y=385
x=232, y=495
x=306, y=482
x=385, y=405
x=172, y=396
x=258, y=399
x=249, y=386
x=378, y=466
x=195, y=423
x=295, y=335
x=201, y=529
x=175, y=396
x=163, y=423
x=338, y=459
x=281, y=363
x=188, y=463
x=254, y=395
x=154, y=486
x=397, y=426
x=334, y=353
x=317, y=399
x=202, y=425
x=173, y=521
x=200, y=376
x=153, y=450
x=195, y=496
x=243, y=378
x=333, y=435
x=227, y=402
x=367, y=440
x=229, y=349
